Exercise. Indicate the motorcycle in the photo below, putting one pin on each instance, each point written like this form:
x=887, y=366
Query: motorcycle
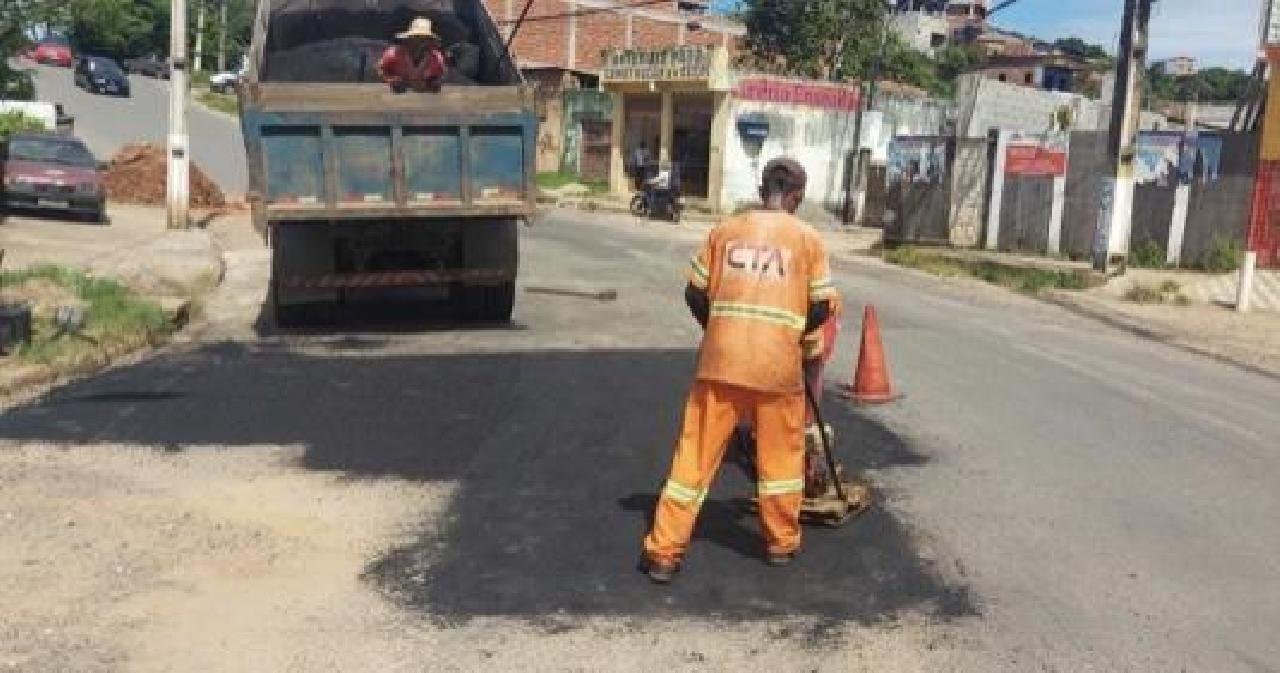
x=659, y=197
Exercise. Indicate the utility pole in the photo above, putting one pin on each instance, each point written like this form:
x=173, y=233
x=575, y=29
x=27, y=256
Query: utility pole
x=222, y=37
x=856, y=202
x=178, y=189
x=1115, y=217
x=198, y=61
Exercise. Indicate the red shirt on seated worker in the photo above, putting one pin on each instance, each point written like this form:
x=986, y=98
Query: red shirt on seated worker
x=416, y=61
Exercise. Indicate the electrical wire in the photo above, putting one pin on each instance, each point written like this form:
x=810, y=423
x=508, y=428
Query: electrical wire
x=586, y=12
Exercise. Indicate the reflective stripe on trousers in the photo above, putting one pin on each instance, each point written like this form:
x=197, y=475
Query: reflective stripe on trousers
x=712, y=412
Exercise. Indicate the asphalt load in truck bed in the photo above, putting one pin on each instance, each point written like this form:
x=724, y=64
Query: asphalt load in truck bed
x=138, y=174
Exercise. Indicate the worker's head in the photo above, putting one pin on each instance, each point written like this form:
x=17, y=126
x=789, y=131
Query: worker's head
x=782, y=185
x=419, y=37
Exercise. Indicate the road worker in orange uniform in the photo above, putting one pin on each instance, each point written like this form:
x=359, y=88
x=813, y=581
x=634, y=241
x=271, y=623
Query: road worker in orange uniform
x=761, y=286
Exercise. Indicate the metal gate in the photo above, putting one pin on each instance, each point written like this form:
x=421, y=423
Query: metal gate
x=593, y=162
x=1025, y=211
x=918, y=190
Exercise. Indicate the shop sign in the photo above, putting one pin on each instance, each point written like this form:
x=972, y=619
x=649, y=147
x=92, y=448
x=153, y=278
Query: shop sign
x=679, y=63
x=1031, y=158
x=767, y=90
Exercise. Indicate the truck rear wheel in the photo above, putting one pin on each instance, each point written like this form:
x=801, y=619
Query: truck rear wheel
x=487, y=303
x=489, y=244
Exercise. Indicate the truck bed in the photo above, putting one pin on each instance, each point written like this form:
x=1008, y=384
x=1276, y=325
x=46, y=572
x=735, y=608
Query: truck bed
x=359, y=151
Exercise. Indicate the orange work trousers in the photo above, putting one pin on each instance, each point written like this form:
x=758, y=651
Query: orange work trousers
x=711, y=414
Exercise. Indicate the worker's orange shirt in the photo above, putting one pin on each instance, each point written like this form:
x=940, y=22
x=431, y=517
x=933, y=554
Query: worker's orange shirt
x=761, y=270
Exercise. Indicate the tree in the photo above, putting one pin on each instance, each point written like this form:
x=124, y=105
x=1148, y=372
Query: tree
x=1210, y=84
x=1078, y=48
x=112, y=27
x=826, y=39
x=908, y=66
x=17, y=19
x=956, y=59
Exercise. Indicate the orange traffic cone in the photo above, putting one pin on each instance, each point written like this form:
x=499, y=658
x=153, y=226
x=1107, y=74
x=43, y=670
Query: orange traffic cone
x=871, y=379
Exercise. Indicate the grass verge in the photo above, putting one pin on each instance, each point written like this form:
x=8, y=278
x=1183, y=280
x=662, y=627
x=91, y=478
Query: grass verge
x=1169, y=291
x=116, y=321
x=221, y=102
x=555, y=180
x=1029, y=280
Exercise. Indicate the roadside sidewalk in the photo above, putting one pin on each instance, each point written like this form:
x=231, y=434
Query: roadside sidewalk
x=135, y=249
x=96, y=295
x=1183, y=315
x=1186, y=309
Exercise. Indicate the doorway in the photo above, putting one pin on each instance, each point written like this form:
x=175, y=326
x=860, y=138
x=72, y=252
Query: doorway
x=691, y=141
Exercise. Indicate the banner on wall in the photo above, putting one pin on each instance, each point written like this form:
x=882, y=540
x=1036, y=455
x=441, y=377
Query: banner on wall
x=1036, y=156
x=1158, y=156
x=916, y=159
x=1169, y=158
x=770, y=90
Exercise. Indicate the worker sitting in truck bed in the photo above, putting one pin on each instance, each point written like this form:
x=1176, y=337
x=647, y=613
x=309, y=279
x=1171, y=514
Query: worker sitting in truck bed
x=416, y=62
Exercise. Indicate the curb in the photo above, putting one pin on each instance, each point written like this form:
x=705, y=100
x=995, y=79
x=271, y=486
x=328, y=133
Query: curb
x=1092, y=278
x=1087, y=308
x=195, y=99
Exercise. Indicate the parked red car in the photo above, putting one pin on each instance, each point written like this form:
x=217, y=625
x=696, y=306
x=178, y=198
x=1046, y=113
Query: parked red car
x=53, y=53
x=51, y=172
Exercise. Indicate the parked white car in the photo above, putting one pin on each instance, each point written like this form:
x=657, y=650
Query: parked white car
x=225, y=82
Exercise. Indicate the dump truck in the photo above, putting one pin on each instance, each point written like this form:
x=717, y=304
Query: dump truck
x=357, y=187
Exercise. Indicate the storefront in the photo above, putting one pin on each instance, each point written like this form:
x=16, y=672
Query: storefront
x=684, y=106
x=668, y=107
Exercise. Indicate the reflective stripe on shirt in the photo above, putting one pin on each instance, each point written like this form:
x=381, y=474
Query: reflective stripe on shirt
x=699, y=275
x=769, y=314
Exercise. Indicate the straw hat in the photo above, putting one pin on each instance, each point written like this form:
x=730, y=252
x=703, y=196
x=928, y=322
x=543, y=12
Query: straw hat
x=421, y=27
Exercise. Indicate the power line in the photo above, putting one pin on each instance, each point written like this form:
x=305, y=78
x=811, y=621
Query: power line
x=586, y=12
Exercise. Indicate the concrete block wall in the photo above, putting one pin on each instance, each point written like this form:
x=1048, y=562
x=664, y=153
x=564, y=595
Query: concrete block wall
x=985, y=104
x=903, y=116
x=820, y=139
x=969, y=177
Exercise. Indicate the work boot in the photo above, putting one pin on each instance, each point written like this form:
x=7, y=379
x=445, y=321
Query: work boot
x=780, y=559
x=659, y=572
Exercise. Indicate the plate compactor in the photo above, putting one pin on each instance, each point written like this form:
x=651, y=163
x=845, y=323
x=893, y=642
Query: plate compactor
x=831, y=497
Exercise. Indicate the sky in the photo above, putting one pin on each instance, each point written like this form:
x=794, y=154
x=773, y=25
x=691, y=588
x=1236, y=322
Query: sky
x=1216, y=32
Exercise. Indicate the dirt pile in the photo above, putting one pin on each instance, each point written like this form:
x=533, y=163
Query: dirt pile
x=137, y=174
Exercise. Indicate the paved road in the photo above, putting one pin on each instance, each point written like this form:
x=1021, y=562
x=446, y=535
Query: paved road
x=1057, y=495
x=107, y=123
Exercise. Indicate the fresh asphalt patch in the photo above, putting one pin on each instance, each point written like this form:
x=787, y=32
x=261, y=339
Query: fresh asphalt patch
x=558, y=457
